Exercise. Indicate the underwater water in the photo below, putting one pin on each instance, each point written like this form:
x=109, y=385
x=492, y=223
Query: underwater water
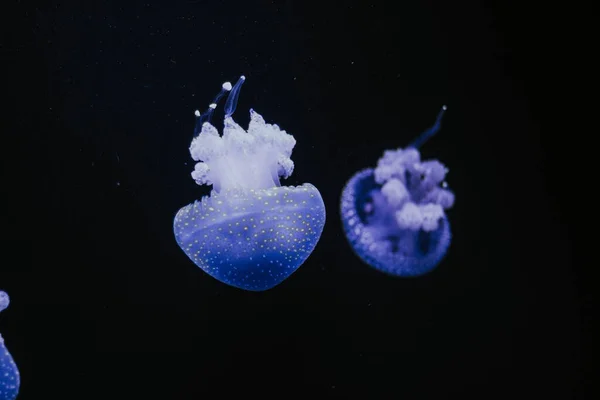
x=256, y=199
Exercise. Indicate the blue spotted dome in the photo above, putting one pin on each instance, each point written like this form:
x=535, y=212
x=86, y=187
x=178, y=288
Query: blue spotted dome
x=252, y=239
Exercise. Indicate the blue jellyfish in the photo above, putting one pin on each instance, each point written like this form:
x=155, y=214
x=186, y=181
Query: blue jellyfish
x=9, y=373
x=251, y=232
x=393, y=216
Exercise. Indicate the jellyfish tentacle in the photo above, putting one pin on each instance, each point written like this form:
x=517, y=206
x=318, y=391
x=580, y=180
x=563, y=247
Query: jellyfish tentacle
x=428, y=133
x=232, y=99
x=242, y=159
x=205, y=117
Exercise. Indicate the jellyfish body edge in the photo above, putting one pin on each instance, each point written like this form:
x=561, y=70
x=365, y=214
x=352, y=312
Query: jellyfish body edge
x=10, y=380
x=404, y=254
x=252, y=239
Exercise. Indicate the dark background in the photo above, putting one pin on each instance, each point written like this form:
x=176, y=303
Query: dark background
x=105, y=305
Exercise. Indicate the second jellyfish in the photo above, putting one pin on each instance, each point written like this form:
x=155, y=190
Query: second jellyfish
x=10, y=380
x=393, y=215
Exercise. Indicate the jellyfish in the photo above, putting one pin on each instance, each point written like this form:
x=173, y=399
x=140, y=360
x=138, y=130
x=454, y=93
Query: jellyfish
x=9, y=373
x=250, y=232
x=394, y=216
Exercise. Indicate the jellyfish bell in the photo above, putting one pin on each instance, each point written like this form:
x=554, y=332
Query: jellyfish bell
x=394, y=215
x=9, y=373
x=251, y=232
